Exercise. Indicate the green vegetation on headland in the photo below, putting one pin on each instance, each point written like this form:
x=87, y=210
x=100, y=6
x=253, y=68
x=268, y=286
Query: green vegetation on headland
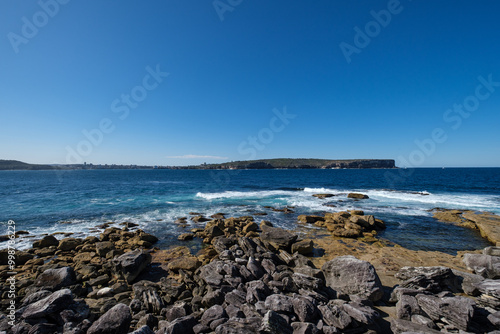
x=249, y=164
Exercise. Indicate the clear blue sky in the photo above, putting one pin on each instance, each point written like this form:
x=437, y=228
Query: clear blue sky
x=68, y=68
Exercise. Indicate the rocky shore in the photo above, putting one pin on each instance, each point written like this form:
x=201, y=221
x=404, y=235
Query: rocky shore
x=249, y=277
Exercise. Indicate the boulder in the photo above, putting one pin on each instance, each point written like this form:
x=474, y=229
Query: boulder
x=215, y=312
x=115, y=320
x=189, y=263
x=240, y=326
x=68, y=244
x=399, y=326
x=361, y=313
x=457, y=311
x=335, y=316
x=279, y=303
x=185, y=236
x=305, y=309
x=273, y=323
x=303, y=247
x=277, y=238
x=21, y=257
x=433, y=279
x=104, y=247
x=490, y=292
x=51, y=304
x=485, y=265
x=309, y=219
x=304, y=328
x=351, y=276
x=46, y=241
x=131, y=264
x=183, y=325
x=55, y=279
x=357, y=196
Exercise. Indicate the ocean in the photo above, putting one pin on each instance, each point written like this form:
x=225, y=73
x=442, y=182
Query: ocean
x=76, y=201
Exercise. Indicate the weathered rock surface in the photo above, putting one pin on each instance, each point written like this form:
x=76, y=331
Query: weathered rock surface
x=131, y=264
x=116, y=320
x=54, y=279
x=351, y=276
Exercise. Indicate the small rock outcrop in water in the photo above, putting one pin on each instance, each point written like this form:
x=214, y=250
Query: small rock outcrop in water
x=248, y=278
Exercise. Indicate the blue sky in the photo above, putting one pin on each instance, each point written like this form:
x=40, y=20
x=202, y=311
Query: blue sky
x=185, y=82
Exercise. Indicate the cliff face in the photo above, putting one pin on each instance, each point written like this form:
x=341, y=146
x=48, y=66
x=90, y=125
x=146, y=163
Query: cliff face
x=304, y=164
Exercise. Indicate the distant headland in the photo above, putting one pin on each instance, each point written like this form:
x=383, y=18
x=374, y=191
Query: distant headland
x=248, y=164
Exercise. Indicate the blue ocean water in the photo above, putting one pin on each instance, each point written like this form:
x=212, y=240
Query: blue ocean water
x=78, y=200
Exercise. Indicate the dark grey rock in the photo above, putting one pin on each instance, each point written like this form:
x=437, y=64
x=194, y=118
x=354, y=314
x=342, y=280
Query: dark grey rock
x=116, y=320
x=485, y=265
x=279, y=303
x=147, y=320
x=56, y=302
x=143, y=330
x=304, y=328
x=361, y=313
x=215, y=297
x=273, y=323
x=55, y=279
x=399, y=326
x=276, y=238
x=255, y=268
x=215, y=312
x=335, y=316
x=131, y=264
x=492, y=250
x=434, y=279
x=182, y=325
x=457, y=311
x=34, y=297
x=406, y=307
x=305, y=308
x=490, y=292
x=307, y=282
x=256, y=291
x=236, y=298
x=423, y=320
x=174, y=312
x=351, y=276
x=240, y=326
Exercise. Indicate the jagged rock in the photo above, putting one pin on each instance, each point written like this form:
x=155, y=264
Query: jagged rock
x=457, y=311
x=149, y=298
x=210, y=273
x=351, y=276
x=335, y=316
x=240, y=326
x=399, y=326
x=467, y=282
x=213, y=298
x=361, y=313
x=215, y=312
x=236, y=298
x=273, y=323
x=304, y=328
x=56, y=302
x=68, y=244
x=182, y=325
x=131, y=264
x=277, y=238
x=115, y=320
x=490, y=292
x=185, y=236
x=303, y=247
x=492, y=250
x=279, y=303
x=34, y=297
x=46, y=241
x=54, y=279
x=406, y=307
x=175, y=312
x=485, y=265
x=423, y=320
x=433, y=279
x=357, y=196
x=304, y=307
x=256, y=291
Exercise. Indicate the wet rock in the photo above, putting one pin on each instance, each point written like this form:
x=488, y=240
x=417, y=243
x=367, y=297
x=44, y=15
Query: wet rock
x=277, y=238
x=357, y=196
x=131, y=264
x=273, y=323
x=55, y=279
x=46, y=241
x=457, y=311
x=323, y=196
x=56, y=302
x=116, y=320
x=351, y=276
x=485, y=265
x=303, y=247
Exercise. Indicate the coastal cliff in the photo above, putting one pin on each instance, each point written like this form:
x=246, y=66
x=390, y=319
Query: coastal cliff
x=302, y=164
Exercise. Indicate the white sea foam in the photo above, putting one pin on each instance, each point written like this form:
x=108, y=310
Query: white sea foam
x=244, y=194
